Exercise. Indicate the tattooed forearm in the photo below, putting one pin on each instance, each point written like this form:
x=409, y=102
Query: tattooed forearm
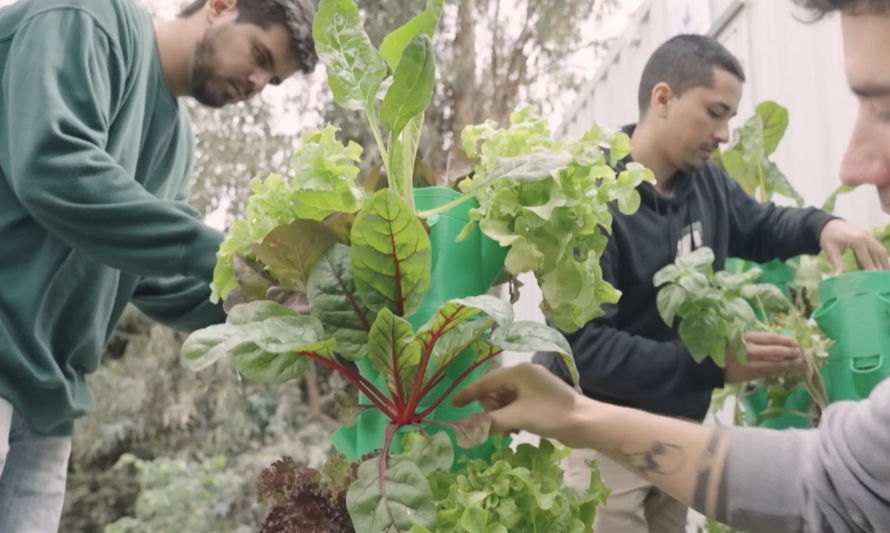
x=661, y=458
x=705, y=475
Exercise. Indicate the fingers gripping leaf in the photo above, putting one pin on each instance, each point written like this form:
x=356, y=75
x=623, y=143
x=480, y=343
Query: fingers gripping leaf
x=390, y=255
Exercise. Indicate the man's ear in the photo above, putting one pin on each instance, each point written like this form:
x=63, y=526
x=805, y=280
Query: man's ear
x=215, y=9
x=661, y=99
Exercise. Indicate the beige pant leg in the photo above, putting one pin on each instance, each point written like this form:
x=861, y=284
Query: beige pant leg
x=624, y=511
x=664, y=513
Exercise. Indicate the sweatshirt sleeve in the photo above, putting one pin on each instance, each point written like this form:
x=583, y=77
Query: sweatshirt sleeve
x=63, y=81
x=835, y=478
x=764, y=231
x=179, y=302
x=620, y=365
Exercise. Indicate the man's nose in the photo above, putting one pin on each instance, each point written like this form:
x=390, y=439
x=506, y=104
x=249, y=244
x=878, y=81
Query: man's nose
x=865, y=165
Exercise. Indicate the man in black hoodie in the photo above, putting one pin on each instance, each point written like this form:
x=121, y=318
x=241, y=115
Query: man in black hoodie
x=690, y=89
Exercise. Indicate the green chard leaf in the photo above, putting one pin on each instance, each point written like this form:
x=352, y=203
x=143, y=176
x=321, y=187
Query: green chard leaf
x=333, y=300
x=265, y=340
x=423, y=24
x=393, y=351
x=354, y=67
x=390, y=255
x=412, y=86
x=406, y=502
x=290, y=251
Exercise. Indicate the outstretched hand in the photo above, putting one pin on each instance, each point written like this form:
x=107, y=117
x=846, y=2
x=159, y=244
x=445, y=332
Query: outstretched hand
x=838, y=236
x=528, y=397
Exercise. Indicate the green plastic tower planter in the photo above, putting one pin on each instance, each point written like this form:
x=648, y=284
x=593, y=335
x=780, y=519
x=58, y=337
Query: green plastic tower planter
x=459, y=269
x=855, y=313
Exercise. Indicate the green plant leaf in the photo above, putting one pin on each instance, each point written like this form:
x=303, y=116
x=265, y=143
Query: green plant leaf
x=700, y=259
x=774, y=119
x=276, y=356
x=430, y=454
x=408, y=499
x=830, y=202
x=393, y=351
x=333, y=300
x=264, y=340
x=668, y=301
x=206, y=346
x=323, y=172
x=390, y=255
x=528, y=336
x=425, y=23
x=354, y=67
x=412, y=86
x=667, y=274
x=252, y=281
x=458, y=339
x=257, y=312
x=290, y=251
x=498, y=309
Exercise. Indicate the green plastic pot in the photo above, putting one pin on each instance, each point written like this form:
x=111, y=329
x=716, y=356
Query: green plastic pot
x=459, y=269
x=799, y=401
x=855, y=313
x=776, y=272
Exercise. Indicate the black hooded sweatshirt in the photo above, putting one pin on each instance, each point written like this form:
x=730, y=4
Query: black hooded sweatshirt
x=629, y=356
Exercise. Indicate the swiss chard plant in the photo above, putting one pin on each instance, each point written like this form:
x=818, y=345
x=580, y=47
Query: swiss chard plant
x=716, y=309
x=324, y=271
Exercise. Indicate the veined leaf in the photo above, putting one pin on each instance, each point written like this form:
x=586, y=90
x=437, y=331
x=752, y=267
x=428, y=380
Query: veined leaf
x=390, y=255
x=424, y=23
x=412, y=86
x=472, y=431
x=393, y=351
x=408, y=500
x=699, y=259
x=354, y=67
x=290, y=251
x=264, y=340
x=528, y=336
x=430, y=454
x=774, y=120
x=669, y=300
x=333, y=299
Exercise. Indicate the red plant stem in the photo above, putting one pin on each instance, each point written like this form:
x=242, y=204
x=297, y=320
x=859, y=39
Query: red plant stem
x=370, y=386
x=416, y=395
x=435, y=379
x=400, y=298
x=457, y=382
x=398, y=394
x=391, y=430
x=351, y=377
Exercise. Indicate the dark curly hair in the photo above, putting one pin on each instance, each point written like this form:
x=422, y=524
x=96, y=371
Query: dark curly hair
x=820, y=8
x=295, y=15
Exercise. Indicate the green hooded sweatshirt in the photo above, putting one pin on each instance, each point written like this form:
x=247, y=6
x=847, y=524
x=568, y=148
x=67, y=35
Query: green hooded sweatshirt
x=95, y=153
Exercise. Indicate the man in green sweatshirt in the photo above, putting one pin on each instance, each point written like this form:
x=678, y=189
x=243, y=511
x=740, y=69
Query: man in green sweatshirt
x=95, y=154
